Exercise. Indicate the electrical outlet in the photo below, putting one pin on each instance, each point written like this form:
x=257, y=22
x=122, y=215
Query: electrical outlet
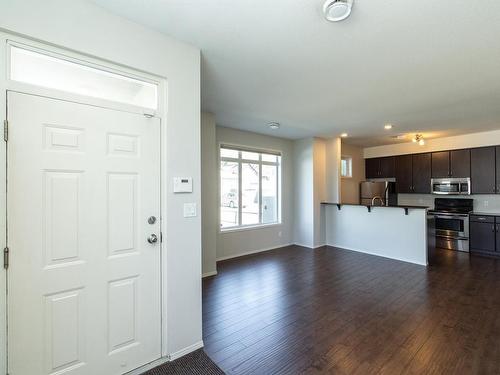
x=486, y=203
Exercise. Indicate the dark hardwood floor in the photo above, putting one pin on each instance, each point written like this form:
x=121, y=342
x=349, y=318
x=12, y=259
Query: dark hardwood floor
x=302, y=311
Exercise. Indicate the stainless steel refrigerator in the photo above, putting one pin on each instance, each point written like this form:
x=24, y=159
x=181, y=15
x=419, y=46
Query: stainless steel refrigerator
x=384, y=193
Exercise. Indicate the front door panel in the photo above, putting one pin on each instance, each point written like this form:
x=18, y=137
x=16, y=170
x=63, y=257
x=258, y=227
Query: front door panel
x=84, y=283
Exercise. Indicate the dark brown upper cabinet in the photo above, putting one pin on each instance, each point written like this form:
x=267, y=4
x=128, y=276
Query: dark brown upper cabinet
x=483, y=170
x=454, y=163
x=388, y=167
x=460, y=163
x=421, y=173
x=372, y=168
x=380, y=167
x=498, y=174
x=440, y=164
x=404, y=174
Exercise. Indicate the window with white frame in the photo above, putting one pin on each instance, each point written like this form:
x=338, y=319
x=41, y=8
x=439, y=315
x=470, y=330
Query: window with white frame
x=346, y=166
x=250, y=182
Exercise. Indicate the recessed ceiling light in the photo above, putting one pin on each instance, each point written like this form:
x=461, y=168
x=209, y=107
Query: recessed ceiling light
x=388, y=126
x=274, y=125
x=344, y=135
x=337, y=10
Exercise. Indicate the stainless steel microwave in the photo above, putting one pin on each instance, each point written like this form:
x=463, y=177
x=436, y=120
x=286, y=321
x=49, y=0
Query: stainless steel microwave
x=451, y=186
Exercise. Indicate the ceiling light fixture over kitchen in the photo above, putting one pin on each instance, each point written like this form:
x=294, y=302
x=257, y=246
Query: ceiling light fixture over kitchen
x=344, y=135
x=274, y=125
x=388, y=126
x=337, y=10
x=419, y=138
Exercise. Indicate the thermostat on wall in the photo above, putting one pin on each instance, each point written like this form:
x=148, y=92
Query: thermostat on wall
x=183, y=184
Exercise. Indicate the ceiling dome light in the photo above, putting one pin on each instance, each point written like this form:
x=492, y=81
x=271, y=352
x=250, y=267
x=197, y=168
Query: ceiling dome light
x=388, y=126
x=337, y=10
x=274, y=125
x=419, y=138
x=344, y=135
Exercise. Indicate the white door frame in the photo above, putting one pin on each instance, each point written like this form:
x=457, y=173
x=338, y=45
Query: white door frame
x=8, y=85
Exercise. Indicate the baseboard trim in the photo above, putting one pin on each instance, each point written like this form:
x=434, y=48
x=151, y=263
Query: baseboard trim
x=253, y=252
x=377, y=255
x=310, y=247
x=208, y=274
x=187, y=350
x=168, y=358
x=147, y=367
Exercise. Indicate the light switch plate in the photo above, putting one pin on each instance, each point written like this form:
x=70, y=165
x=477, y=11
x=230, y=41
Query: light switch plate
x=183, y=184
x=189, y=209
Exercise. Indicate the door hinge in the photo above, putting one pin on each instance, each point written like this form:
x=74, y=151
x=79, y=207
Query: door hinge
x=6, y=257
x=5, y=130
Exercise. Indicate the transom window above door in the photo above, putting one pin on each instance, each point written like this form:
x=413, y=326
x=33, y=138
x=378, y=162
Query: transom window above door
x=51, y=71
x=250, y=187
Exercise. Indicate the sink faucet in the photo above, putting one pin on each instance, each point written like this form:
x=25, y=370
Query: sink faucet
x=379, y=198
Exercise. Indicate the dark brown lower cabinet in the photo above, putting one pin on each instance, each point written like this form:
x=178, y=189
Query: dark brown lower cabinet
x=483, y=236
x=498, y=234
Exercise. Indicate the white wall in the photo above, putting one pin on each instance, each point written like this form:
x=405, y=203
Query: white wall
x=303, y=153
x=332, y=165
x=86, y=28
x=209, y=175
x=320, y=146
x=350, y=185
x=385, y=232
x=491, y=138
x=244, y=241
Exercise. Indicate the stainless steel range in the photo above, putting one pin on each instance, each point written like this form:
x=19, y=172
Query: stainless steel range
x=452, y=222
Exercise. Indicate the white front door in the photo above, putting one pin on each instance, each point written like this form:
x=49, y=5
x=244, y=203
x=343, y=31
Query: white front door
x=83, y=280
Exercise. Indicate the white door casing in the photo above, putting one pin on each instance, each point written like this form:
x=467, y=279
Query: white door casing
x=83, y=281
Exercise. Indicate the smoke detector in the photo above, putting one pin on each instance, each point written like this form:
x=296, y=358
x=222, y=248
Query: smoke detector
x=337, y=10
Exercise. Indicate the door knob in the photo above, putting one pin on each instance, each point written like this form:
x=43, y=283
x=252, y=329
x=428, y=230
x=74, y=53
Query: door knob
x=152, y=238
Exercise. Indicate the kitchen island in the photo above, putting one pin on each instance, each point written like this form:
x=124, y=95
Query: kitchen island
x=398, y=232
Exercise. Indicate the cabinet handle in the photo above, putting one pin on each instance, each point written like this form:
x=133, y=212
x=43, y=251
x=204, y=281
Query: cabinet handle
x=493, y=228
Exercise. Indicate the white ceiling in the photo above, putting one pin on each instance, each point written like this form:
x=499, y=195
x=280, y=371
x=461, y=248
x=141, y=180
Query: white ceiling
x=426, y=66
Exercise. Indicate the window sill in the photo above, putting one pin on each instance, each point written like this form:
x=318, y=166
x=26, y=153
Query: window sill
x=249, y=227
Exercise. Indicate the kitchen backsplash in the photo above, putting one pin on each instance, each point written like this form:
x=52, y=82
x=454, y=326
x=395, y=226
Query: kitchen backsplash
x=482, y=203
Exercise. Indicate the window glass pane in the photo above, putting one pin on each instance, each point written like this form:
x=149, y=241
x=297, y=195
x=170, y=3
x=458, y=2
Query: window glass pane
x=270, y=158
x=229, y=194
x=249, y=194
x=250, y=155
x=56, y=73
x=269, y=194
x=344, y=167
x=228, y=153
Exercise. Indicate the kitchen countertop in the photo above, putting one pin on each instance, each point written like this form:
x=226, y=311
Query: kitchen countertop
x=368, y=205
x=485, y=213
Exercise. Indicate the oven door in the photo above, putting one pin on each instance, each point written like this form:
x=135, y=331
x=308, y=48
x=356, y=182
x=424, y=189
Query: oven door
x=453, y=226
